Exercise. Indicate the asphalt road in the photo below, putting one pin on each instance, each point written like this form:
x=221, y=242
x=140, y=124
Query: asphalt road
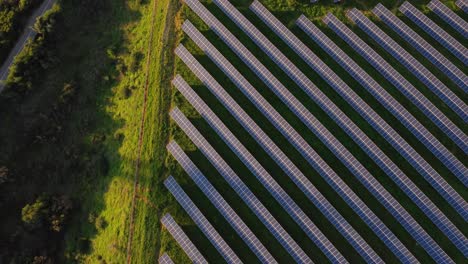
x=28, y=33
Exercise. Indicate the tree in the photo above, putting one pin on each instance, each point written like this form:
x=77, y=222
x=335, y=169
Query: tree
x=33, y=214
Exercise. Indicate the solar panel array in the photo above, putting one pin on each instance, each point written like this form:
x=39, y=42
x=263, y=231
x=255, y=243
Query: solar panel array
x=201, y=221
x=266, y=179
x=269, y=146
x=400, y=112
x=223, y=207
x=421, y=45
x=165, y=259
x=301, y=181
x=404, y=87
x=385, y=130
x=183, y=240
x=435, y=31
x=449, y=17
x=374, y=187
x=421, y=72
x=463, y=5
x=379, y=124
x=236, y=183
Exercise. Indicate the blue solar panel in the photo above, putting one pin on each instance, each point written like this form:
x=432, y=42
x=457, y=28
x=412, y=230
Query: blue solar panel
x=413, y=65
x=421, y=45
x=182, y=239
x=463, y=5
x=201, y=221
x=301, y=181
x=407, y=89
x=165, y=259
x=282, y=125
x=307, y=85
x=423, y=202
x=401, y=113
x=435, y=31
x=449, y=17
x=223, y=207
x=234, y=181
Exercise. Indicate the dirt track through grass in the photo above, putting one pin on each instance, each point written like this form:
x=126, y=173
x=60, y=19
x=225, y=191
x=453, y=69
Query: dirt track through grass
x=140, y=139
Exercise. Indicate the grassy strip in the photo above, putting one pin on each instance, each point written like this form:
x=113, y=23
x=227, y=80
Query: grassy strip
x=109, y=197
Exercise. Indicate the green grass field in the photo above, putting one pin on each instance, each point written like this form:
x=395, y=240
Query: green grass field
x=288, y=11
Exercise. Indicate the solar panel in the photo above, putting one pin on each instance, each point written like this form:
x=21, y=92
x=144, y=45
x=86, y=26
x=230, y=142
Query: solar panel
x=201, y=221
x=421, y=45
x=463, y=5
x=353, y=237
x=436, y=32
x=182, y=239
x=165, y=259
x=234, y=181
x=301, y=181
x=399, y=112
x=379, y=124
x=307, y=85
x=414, y=66
x=449, y=17
x=407, y=89
x=218, y=201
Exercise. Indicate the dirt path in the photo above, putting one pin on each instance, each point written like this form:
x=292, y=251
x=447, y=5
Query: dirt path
x=28, y=33
x=140, y=139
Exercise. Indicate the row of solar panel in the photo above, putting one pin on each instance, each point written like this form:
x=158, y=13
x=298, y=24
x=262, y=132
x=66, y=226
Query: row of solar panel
x=413, y=65
x=421, y=45
x=398, y=110
x=450, y=17
x=463, y=5
x=397, y=175
x=315, y=63
x=404, y=86
x=268, y=144
x=435, y=31
x=188, y=28
x=211, y=52
x=231, y=46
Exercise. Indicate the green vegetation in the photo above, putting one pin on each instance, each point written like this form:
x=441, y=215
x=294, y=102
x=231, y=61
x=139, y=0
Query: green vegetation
x=13, y=16
x=71, y=118
x=74, y=131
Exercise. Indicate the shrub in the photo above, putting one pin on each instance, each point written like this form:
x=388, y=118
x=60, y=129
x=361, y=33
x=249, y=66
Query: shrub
x=33, y=214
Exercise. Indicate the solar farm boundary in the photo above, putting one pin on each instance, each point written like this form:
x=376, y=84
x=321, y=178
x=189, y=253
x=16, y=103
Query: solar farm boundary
x=391, y=169
x=201, y=221
x=218, y=201
x=393, y=76
x=236, y=183
x=182, y=239
x=431, y=176
x=422, y=46
x=374, y=223
x=435, y=31
x=241, y=21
